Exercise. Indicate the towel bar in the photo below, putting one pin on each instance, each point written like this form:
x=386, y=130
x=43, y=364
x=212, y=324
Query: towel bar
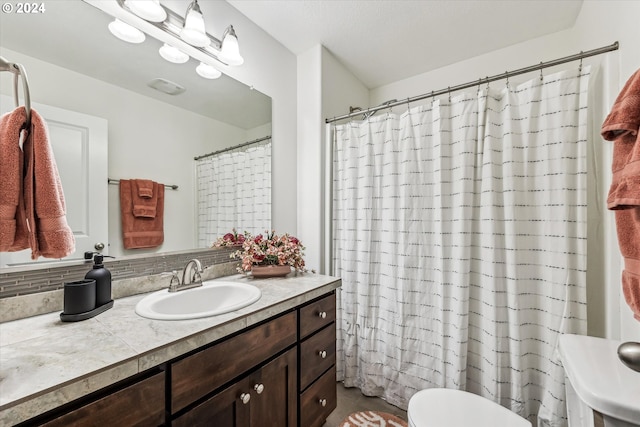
x=117, y=181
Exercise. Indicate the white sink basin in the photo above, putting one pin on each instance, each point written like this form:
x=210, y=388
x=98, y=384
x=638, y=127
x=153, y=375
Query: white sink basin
x=212, y=298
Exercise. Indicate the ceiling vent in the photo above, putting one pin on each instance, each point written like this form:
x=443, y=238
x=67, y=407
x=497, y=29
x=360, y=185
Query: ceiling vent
x=166, y=86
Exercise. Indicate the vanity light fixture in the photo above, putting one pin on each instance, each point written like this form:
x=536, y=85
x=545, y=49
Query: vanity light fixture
x=207, y=71
x=147, y=9
x=126, y=32
x=193, y=31
x=173, y=54
x=181, y=36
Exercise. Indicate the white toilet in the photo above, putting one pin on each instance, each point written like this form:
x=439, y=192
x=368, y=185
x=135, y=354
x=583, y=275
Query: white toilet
x=442, y=407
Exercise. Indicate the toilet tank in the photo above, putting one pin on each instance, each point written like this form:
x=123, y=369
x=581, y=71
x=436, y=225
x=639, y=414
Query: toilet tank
x=600, y=389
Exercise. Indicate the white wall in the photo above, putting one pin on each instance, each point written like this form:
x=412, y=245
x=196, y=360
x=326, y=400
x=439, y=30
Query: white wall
x=325, y=89
x=600, y=23
x=310, y=154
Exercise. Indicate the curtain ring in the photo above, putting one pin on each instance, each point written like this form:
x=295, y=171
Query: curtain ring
x=580, y=67
x=449, y=90
x=506, y=75
x=487, y=86
x=478, y=88
x=541, y=76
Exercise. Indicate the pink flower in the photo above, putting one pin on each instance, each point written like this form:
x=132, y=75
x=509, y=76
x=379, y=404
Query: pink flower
x=265, y=249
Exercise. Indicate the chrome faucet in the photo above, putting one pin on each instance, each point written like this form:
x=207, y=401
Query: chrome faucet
x=191, y=277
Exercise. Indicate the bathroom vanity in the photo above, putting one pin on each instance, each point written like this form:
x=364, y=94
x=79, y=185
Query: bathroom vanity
x=271, y=363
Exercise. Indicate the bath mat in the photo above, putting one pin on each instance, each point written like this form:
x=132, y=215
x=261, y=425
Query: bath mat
x=372, y=419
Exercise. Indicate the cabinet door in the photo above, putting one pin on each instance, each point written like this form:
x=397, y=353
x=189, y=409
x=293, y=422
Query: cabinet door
x=266, y=397
x=273, y=394
x=229, y=408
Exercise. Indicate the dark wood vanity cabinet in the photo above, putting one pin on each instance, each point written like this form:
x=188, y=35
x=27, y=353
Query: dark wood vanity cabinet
x=280, y=373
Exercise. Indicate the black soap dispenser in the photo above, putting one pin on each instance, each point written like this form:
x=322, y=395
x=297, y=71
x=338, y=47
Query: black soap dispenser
x=102, y=276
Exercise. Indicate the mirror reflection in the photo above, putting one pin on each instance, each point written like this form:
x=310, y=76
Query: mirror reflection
x=93, y=91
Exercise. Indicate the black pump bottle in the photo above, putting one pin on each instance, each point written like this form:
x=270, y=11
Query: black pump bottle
x=102, y=276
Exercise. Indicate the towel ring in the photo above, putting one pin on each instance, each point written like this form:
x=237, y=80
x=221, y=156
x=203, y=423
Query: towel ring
x=25, y=92
x=19, y=71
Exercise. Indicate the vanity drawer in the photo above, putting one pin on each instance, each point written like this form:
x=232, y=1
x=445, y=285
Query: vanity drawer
x=317, y=354
x=197, y=375
x=317, y=314
x=140, y=404
x=312, y=411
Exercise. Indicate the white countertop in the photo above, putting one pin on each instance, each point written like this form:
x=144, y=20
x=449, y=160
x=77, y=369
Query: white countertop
x=599, y=378
x=45, y=362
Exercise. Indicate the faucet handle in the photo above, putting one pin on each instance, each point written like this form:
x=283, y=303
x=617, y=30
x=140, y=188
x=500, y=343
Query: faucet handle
x=175, y=280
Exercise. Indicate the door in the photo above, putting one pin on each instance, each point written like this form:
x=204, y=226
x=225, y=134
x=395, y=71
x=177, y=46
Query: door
x=79, y=143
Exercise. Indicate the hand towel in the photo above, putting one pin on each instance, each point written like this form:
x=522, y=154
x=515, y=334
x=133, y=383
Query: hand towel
x=50, y=235
x=141, y=232
x=145, y=188
x=14, y=235
x=622, y=126
x=143, y=199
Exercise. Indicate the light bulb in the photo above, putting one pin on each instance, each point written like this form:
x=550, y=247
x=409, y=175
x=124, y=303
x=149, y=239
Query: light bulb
x=173, y=54
x=151, y=10
x=126, y=32
x=207, y=71
x=230, y=50
x=193, y=31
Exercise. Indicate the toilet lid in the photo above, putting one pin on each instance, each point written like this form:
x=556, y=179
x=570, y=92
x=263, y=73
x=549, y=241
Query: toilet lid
x=441, y=407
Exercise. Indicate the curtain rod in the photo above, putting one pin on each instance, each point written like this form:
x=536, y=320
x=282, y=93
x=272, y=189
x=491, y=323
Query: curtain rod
x=507, y=74
x=244, y=144
x=117, y=181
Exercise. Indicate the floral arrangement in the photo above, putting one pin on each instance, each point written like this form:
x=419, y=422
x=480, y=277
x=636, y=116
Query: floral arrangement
x=271, y=249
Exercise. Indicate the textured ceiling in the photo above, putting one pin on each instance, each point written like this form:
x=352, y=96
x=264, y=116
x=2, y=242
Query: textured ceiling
x=384, y=41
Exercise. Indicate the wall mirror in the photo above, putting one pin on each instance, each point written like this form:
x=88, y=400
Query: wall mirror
x=75, y=64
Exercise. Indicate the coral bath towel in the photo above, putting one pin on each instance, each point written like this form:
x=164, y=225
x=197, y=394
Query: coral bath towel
x=41, y=210
x=14, y=235
x=622, y=126
x=139, y=231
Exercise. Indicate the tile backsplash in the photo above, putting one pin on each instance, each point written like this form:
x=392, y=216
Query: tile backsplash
x=35, y=278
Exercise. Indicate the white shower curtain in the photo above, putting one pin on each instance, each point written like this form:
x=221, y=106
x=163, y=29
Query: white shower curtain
x=459, y=233
x=234, y=191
